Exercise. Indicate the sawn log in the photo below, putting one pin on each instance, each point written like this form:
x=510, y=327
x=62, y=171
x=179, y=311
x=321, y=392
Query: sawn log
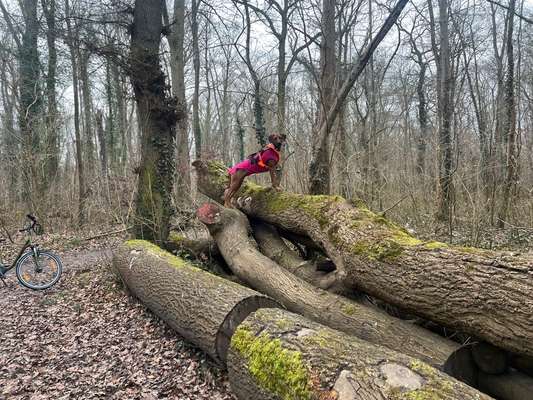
x=204, y=308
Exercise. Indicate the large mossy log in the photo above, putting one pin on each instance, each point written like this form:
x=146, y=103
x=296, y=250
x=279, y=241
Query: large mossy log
x=231, y=230
x=484, y=293
x=205, y=309
x=277, y=355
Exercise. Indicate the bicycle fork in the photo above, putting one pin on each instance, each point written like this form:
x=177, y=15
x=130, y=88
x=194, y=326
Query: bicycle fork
x=35, y=255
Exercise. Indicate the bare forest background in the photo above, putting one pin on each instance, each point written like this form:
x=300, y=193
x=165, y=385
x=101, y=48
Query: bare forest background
x=436, y=133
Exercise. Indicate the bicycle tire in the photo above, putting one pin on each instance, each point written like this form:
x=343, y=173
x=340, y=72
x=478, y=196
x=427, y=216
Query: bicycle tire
x=52, y=262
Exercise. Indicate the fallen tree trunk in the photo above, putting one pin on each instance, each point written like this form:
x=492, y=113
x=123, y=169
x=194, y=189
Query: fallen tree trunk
x=484, y=293
x=510, y=386
x=230, y=229
x=272, y=246
x=277, y=355
x=205, y=309
x=199, y=248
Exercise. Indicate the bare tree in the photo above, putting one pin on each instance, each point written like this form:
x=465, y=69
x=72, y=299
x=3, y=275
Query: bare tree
x=158, y=118
x=512, y=162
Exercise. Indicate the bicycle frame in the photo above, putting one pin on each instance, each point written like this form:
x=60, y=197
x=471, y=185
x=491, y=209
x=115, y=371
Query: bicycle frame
x=4, y=268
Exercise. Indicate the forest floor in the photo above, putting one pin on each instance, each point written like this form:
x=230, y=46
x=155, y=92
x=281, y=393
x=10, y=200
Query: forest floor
x=85, y=338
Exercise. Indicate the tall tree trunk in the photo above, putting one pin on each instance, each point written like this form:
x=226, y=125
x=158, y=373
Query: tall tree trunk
x=196, y=66
x=73, y=46
x=87, y=111
x=319, y=170
x=423, y=135
x=177, y=68
x=281, y=70
x=118, y=91
x=102, y=140
x=9, y=142
x=501, y=123
x=445, y=180
x=346, y=87
x=51, y=147
x=30, y=98
x=512, y=162
x=111, y=134
x=157, y=111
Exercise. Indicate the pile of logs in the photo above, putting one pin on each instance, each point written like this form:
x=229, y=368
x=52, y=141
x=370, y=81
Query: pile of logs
x=296, y=327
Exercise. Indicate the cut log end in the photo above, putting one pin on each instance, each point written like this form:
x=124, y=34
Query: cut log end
x=209, y=213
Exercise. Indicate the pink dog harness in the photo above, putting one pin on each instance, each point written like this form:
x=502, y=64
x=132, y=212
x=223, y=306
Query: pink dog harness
x=257, y=163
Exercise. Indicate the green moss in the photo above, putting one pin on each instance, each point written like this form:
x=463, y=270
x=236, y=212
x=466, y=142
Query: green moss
x=474, y=250
x=358, y=203
x=349, y=309
x=422, y=368
x=156, y=250
x=384, y=250
x=218, y=172
x=277, y=202
x=280, y=371
x=175, y=237
x=435, y=245
x=404, y=239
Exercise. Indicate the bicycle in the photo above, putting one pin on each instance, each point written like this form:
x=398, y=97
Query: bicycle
x=36, y=269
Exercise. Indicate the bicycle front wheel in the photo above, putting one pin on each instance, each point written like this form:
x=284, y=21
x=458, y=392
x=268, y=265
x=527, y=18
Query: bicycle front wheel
x=39, y=272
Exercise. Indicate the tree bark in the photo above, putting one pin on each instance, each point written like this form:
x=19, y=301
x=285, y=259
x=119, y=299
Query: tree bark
x=510, y=386
x=203, y=308
x=51, y=162
x=277, y=355
x=201, y=249
x=177, y=68
x=273, y=246
x=319, y=168
x=30, y=99
x=196, y=66
x=511, y=169
x=230, y=230
x=87, y=110
x=74, y=56
x=103, y=144
x=157, y=111
x=445, y=100
x=457, y=287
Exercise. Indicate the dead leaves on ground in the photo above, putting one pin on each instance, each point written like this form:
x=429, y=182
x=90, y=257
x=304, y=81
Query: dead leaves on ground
x=86, y=339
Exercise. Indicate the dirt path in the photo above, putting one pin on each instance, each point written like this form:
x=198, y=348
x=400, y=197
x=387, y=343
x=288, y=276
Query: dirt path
x=86, y=339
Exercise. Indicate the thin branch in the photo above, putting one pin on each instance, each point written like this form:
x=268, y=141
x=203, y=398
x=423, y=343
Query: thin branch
x=528, y=20
x=7, y=17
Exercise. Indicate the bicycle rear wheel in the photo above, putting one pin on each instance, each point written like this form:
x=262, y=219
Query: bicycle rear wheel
x=40, y=272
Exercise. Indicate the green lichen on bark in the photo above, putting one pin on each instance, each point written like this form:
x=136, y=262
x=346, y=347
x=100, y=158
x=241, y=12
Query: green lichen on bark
x=277, y=202
x=276, y=369
x=218, y=172
x=435, y=387
x=156, y=251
